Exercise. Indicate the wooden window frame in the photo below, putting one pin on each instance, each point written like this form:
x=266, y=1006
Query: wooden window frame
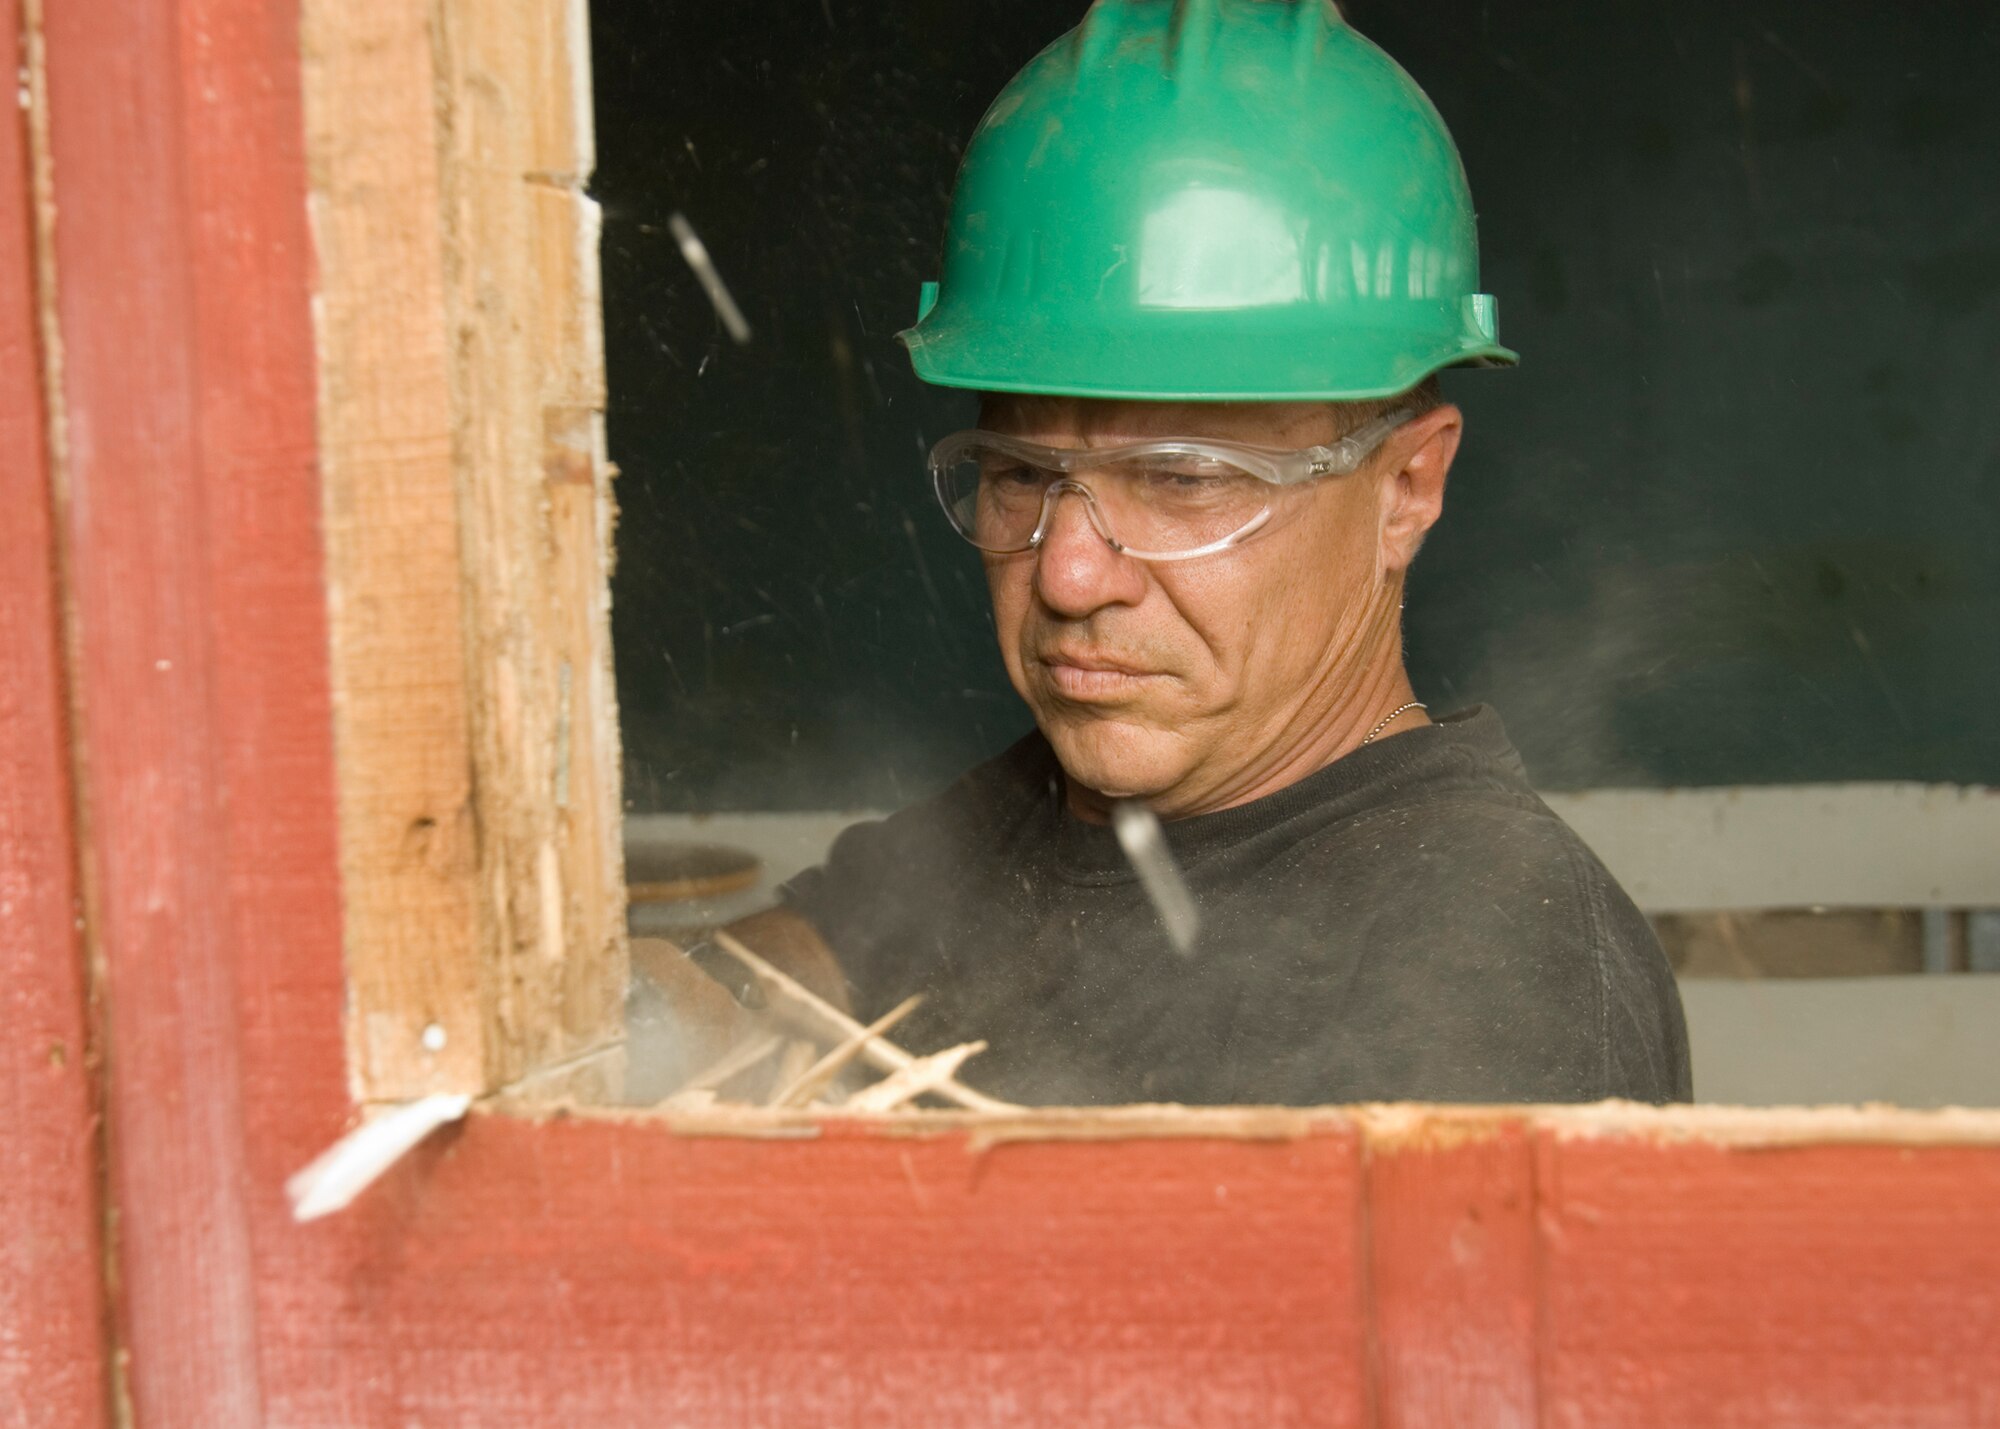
x=286, y=627
x=468, y=526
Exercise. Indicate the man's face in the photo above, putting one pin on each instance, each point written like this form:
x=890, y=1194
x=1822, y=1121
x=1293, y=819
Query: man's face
x=1189, y=683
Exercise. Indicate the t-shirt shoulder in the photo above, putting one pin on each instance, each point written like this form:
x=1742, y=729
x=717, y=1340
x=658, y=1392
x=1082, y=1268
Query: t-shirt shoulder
x=1509, y=961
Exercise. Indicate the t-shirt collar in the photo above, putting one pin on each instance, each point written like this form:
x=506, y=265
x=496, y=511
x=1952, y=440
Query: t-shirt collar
x=1088, y=853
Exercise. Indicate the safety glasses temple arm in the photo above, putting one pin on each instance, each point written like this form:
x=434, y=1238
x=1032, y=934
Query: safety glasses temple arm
x=1346, y=455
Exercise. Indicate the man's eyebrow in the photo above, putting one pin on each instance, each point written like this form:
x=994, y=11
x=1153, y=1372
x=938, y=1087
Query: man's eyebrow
x=995, y=408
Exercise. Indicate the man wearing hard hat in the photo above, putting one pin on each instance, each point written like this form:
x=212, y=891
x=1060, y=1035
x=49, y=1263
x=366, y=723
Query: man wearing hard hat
x=1204, y=262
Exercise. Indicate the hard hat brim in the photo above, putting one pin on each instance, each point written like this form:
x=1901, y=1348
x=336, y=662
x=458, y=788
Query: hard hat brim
x=1225, y=364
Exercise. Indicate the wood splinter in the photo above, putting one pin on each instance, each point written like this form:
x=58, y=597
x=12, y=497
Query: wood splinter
x=926, y=1074
x=819, y=1076
x=794, y=1002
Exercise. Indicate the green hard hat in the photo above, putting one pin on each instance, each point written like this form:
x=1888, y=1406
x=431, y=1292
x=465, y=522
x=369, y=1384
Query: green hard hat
x=1208, y=200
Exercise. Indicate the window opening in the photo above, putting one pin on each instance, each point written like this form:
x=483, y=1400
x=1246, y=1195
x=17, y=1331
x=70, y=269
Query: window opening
x=1679, y=552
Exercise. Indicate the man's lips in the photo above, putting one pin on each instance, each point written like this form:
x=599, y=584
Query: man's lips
x=1094, y=675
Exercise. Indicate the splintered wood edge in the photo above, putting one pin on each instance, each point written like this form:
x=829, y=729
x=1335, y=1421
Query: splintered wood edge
x=1382, y=1127
x=467, y=516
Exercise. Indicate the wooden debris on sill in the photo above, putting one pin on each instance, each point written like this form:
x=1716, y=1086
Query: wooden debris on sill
x=802, y=1090
x=923, y=1075
x=802, y=1083
x=808, y=1014
x=333, y=1180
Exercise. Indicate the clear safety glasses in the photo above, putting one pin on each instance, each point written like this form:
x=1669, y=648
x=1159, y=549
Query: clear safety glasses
x=1167, y=500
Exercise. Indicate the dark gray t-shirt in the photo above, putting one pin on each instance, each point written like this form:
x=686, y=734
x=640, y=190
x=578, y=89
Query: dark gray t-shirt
x=1410, y=922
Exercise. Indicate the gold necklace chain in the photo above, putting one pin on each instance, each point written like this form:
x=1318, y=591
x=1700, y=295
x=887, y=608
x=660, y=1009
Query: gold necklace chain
x=1384, y=722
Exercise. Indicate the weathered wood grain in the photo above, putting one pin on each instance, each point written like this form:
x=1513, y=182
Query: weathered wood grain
x=410, y=839
x=528, y=394
x=468, y=521
x=52, y=1322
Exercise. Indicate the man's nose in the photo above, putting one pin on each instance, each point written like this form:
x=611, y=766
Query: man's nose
x=1077, y=570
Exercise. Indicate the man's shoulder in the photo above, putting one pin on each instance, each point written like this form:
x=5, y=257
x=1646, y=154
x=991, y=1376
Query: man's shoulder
x=1451, y=792
x=1480, y=827
x=1492, y=922
x=1466, y=864
x=1458, y=800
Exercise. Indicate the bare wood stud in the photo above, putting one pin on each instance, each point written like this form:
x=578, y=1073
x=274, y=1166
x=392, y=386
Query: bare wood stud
x=468, y=516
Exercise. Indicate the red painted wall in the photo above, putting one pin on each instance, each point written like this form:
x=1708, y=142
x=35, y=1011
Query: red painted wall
x=51, y=1282
x=602, y=1272
x=188, y=374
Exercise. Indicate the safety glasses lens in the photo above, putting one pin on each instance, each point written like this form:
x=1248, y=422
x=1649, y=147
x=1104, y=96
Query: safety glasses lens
x=1158, y=504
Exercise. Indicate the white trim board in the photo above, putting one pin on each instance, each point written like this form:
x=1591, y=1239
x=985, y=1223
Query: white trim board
x=1674, y=850
x=1796, y=845
x=1794, y=1041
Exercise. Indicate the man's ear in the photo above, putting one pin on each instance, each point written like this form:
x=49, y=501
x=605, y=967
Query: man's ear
x=1415, y=462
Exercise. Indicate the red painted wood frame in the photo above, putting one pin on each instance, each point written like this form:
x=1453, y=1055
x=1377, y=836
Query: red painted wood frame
x=1500, y=1269
x=52, y=1366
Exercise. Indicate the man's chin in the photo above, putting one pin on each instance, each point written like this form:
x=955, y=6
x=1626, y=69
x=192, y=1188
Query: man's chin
x=1117, y=759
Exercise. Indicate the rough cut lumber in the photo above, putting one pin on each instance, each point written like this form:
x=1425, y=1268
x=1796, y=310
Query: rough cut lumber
x=468, y=525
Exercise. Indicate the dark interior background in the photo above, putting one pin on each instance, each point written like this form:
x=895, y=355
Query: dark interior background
x=1734, y=520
